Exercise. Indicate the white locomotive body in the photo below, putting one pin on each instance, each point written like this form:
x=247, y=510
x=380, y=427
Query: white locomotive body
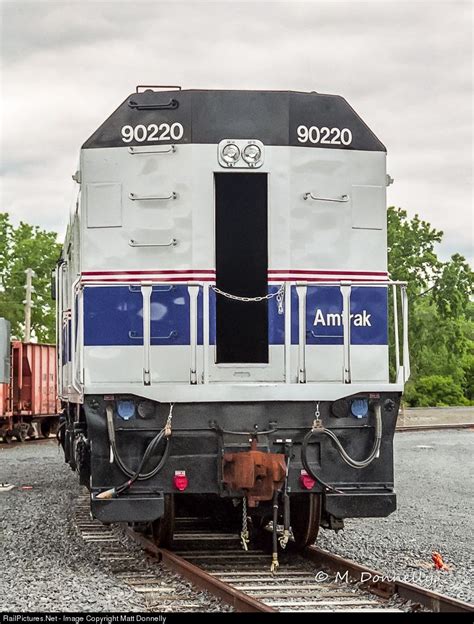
x=228, y=256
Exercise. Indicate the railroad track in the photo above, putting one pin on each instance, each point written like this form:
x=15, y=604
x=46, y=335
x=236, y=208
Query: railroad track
x=315, y=580
x=434, y=427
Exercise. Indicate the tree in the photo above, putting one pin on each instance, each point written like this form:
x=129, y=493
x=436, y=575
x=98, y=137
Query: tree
x=441, y=315
x=411, y=254
x=27, y=246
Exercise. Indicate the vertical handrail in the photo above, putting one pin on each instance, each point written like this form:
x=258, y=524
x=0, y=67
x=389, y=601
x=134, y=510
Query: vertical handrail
x=205, y=332
x=80, y=334
x=301, y=291
x=287, y=332
x=396, y=336
x=146, y=295
x=74, y=338
x=59, y=329
x=406, y=353
x=346, y=327
x=193, y=296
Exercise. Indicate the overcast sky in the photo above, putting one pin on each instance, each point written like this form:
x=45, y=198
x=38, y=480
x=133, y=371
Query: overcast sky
x=406, y=68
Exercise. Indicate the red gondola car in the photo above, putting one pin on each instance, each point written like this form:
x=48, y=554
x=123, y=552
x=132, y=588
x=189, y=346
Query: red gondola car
x=28, y=401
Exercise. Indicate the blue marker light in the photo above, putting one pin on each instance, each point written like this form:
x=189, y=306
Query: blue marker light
x=360, y=408
x=126, y=409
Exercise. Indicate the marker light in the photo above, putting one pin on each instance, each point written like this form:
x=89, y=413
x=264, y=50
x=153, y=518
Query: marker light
x=230, y=153
x=306, y=481
x=359, y=408
x=126, y=409
x=146, y=409
x=252, y=154
x=180, y=480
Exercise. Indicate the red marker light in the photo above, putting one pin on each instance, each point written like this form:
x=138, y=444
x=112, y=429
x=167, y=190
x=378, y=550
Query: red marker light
x=180, y=480
x=306, y=481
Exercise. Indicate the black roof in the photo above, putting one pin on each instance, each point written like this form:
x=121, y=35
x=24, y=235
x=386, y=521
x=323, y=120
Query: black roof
x=208, y=116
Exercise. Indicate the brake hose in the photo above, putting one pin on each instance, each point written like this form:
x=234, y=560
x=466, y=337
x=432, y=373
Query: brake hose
x=136, y=475
x=354, y=463
x=374, y=453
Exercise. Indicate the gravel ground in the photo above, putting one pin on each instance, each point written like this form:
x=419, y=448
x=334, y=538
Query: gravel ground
x=433, y=478
x=45, y=564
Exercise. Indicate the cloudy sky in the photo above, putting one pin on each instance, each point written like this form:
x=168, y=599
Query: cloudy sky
x=406, y=67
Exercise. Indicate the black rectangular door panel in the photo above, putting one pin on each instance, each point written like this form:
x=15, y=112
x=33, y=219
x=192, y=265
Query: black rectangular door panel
x=241, y=267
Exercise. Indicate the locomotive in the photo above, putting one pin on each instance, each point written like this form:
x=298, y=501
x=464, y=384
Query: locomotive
x=224, y=311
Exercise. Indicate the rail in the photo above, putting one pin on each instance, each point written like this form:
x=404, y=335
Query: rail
x=400, y=347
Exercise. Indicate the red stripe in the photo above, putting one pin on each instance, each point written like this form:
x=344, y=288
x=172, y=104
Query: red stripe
x=271, y=272
x=307, y=272
x=327, y=279
x=157, y=279
x=170, y=272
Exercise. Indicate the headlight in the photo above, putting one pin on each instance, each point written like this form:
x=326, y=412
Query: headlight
x=252, y=154
x=230, y=153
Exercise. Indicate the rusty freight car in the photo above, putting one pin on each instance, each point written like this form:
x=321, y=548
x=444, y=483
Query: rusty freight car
x=28, y=390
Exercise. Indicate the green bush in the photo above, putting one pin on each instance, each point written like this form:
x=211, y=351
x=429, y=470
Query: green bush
x=434, y=390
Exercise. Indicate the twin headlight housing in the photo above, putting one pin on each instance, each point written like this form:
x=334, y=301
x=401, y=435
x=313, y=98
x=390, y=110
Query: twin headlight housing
x=241, y=153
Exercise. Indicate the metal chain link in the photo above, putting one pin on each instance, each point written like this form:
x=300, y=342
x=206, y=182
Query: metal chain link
x=317, y=423
x=244, y=535
x=279, y=292
x=168, y=421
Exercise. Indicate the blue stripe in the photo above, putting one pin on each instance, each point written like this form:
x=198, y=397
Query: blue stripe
x=113, y=316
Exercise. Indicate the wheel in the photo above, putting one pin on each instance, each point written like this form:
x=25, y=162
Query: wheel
x=45, y=427
x=305, y=518
x=21, y=434
x=8, y=437
x=162, y=529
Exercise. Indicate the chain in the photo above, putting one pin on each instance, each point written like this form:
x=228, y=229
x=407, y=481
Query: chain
x=278, y=293
x=317, y=423
x=244, y=535
x=284, y=539
x=168, y=421
x=279, y=299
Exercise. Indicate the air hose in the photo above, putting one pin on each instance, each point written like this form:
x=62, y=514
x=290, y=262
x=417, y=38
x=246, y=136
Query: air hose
x=345, y=456
x=375, y=449
x=136, y=475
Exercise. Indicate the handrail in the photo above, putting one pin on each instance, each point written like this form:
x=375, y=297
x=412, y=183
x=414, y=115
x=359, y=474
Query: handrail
x=136, y=150
x=172, y=243
x=135, y=197
x=287, y=332
x=73, y=338
x=346, y=287
x=301, y=292
x=205, y=333
x=395, y=323
x=346, y=290
x=193, y=330
x=406, y=353
x=146, y=295
x=341, y=199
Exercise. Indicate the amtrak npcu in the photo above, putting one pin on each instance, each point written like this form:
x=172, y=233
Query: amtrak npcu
x=224, y=312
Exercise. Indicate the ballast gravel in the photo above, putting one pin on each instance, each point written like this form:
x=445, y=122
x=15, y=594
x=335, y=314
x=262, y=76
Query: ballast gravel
x=45, y=564
x=435, y=493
